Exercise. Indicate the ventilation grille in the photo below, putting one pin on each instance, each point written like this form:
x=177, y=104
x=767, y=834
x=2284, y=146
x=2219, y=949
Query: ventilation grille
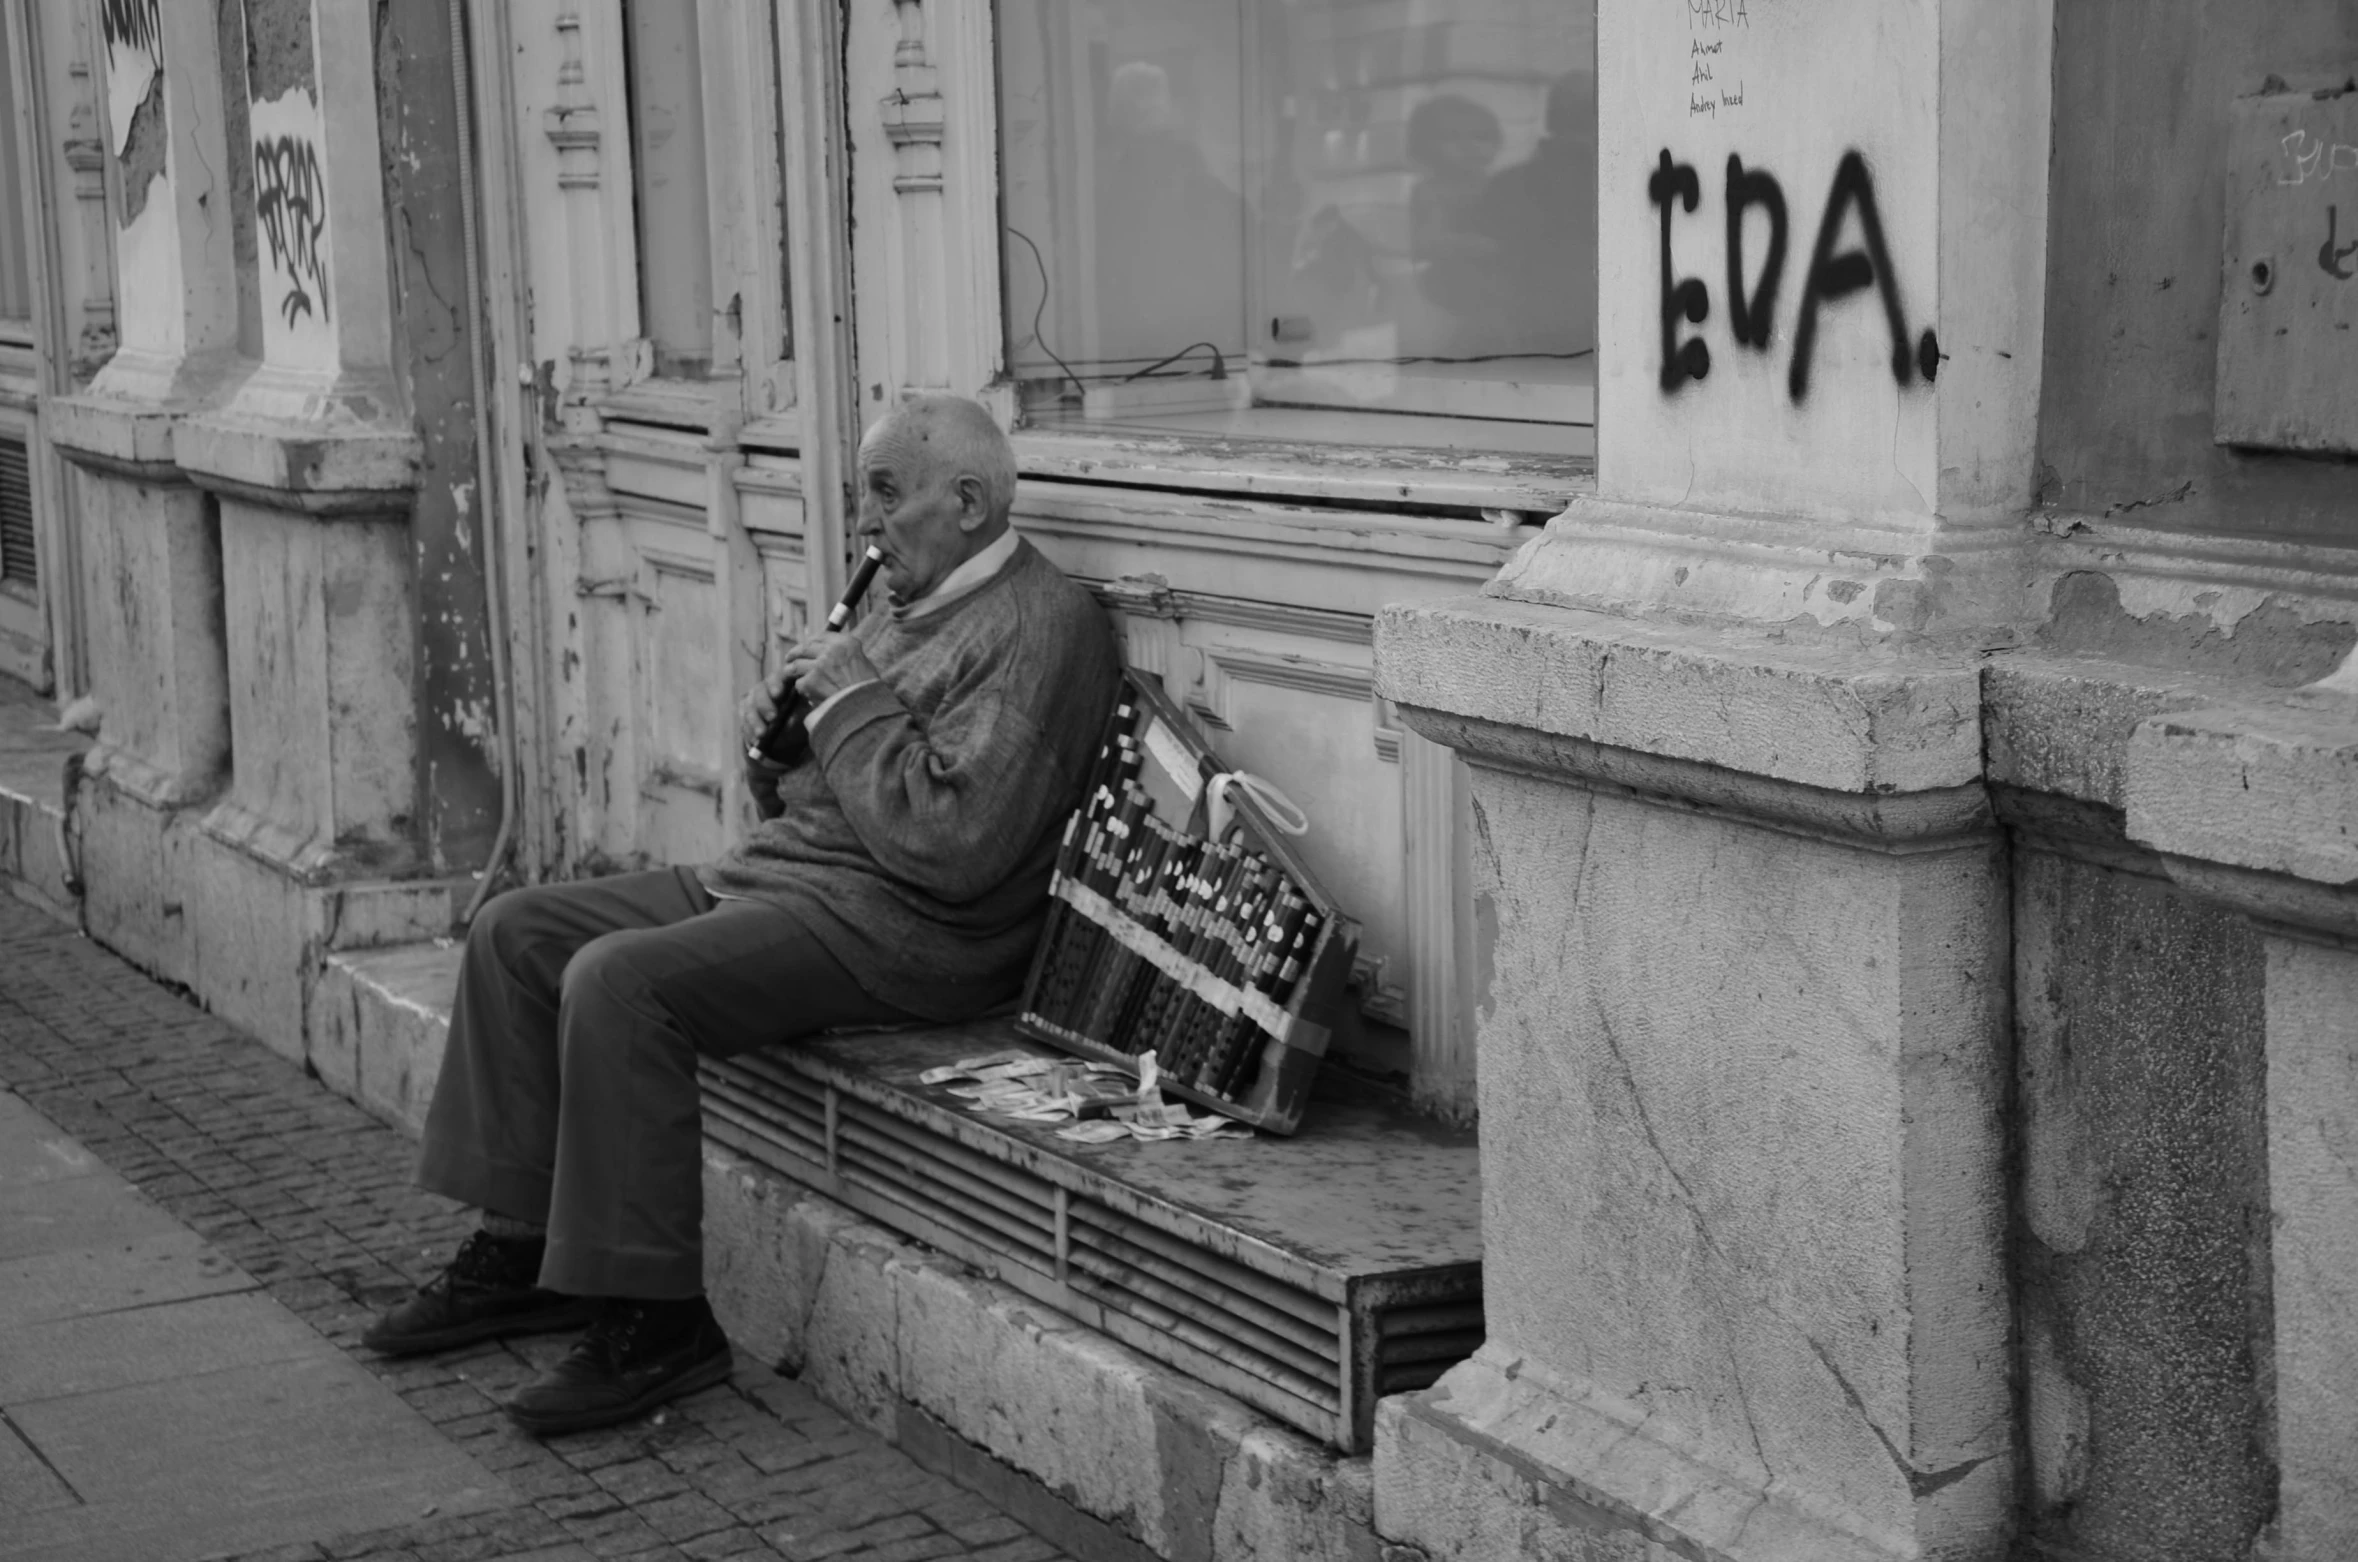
x=1304, y=1358
x=18, y=564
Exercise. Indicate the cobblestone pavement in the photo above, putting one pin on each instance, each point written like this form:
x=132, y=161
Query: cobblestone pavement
x=312, y=1197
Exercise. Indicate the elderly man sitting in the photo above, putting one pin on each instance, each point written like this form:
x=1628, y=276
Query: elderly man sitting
x=900, y=873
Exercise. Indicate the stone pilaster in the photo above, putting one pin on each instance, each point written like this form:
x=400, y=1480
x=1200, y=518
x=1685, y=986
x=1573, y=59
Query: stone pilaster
x=1743, y=1043
x=1742, y=1016
x=2255, y=806
x=151, y=553
x=312, y=460
x=1821, y=237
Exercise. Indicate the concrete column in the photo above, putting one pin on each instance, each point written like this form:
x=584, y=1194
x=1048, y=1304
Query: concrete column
x=1821, y=242
x=151, y=553
x=1743, y=1042
x=2253, y=804
x=321, y=413
x=1743, y=1029
x=313, y=459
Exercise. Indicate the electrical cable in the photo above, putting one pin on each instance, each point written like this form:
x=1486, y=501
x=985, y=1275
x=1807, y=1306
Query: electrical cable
x=1219, y=363
x=1040, y=313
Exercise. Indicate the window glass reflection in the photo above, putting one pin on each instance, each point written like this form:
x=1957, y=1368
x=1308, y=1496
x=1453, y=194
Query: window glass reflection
x=1363, y=220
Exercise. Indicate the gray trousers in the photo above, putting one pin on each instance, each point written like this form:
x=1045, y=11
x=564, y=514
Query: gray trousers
x=568, y=1092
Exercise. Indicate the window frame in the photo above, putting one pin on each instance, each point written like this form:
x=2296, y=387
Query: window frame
x=1502, y=486
x=750, y=384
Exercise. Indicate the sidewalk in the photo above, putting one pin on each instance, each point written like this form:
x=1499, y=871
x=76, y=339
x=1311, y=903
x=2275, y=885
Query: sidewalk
x=193, y=1235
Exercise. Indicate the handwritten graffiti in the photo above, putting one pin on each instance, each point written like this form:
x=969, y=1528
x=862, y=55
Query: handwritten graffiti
x=2314, y=159
x=2330, y=254
x=290, y=208
x=1834, y=273
x=132, y=24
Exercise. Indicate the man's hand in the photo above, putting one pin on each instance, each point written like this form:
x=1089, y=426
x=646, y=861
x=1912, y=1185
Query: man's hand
x=824, y=665
x=827, y=665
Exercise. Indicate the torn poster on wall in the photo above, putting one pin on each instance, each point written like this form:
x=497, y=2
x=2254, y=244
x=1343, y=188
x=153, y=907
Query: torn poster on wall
x=134, y=34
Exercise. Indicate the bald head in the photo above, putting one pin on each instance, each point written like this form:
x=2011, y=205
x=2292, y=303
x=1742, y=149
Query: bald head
x=937, y=483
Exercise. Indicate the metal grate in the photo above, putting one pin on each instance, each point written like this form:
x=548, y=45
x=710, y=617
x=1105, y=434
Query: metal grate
x=19, y=565
x=1312, y=1348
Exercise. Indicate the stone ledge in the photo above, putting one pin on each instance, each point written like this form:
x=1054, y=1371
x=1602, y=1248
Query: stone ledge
x=32, y=854
x=35, y=858
x=1858, y=573
x=124, y=439
x=880, y=1327
x=1832, y=717
x=1880, y=821
x=326, y=468
x=2062, y=725
x=2265, y=785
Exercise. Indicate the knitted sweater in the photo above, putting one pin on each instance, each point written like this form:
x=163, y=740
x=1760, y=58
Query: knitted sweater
x=917, y=841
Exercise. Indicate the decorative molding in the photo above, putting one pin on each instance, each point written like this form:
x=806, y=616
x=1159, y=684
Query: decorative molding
x=85, y=154
x=2322, y=569
x=1281, y=617
x=1441, y=1035
x=595, y=234
x=573, y=125
x=929, y=230
x=1216, y=667
x=1388, y=731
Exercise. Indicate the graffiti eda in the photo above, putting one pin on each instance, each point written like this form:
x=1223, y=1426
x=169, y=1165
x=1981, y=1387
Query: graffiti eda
x=1836, y=271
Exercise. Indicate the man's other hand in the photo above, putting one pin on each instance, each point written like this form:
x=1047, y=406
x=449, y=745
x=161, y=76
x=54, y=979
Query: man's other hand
x=758, y=709
x=827, y=665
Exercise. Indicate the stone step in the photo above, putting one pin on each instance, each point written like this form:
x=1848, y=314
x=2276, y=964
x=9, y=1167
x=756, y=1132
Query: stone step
x=1062, y=1425
x=35, y=858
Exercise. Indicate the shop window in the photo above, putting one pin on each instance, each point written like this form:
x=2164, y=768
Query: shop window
x=667, y=169
x=1369, y=221
x=16, y=273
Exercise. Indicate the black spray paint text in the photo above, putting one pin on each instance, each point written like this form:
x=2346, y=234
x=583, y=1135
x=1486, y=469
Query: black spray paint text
x=290, y=208
x=1834, y=272
x=132, y=24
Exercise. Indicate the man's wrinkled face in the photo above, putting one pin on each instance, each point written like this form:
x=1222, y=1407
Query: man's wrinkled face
x=914, y=507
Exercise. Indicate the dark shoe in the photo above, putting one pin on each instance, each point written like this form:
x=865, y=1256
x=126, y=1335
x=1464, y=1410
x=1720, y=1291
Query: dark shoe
x=636, y=1355
x=486, y=1293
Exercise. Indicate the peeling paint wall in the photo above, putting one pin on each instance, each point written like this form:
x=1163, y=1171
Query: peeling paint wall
x=2142, y=1218
x=2229, y=632
x=457, y=735
x=2133, y=272
x=237, y=132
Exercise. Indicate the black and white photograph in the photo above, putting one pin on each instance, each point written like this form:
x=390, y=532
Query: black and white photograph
x=1178, y=780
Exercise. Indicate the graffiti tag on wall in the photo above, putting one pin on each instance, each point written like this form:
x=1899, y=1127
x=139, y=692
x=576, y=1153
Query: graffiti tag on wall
x=290, y=210
x=132, y=24
x=1838, y=268
x=2309, y=158
x=134, y=34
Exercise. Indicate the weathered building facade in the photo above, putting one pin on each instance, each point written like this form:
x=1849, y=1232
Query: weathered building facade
x=1803, y=567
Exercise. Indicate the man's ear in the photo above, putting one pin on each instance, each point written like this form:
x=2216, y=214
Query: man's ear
x=974, y=502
